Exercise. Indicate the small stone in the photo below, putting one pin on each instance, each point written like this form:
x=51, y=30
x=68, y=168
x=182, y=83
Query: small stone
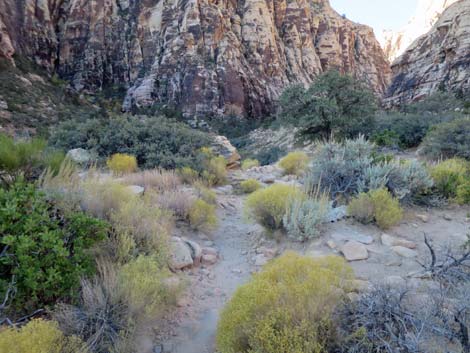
x=79, y=155
x=268, y=179
x=447, y=217
x=182, y=302
x=208, y=259
x=180, y=254
x=158, y=349
x=354, y=297
x=404, y=252
x=423, y=218
x=354, y=251
x=136, y=189
x=388, y=240
x=236, y=270
x=267, y=252
x=209, y=251
x=331, y=244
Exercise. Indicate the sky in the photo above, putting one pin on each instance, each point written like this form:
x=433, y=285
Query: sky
x=379, y=14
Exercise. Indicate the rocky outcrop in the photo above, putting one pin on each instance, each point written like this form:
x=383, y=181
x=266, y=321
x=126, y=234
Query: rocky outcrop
x=439, y=59
x=204, y=56
x=394, y=43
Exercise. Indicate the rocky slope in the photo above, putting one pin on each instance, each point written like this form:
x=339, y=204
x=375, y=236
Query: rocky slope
x=439, y=59
x=394, y=43
x=204, y=56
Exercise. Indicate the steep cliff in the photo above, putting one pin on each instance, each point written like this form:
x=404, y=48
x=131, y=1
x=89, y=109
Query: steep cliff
x=204, y=56
x=394, y=43
x=439, y=59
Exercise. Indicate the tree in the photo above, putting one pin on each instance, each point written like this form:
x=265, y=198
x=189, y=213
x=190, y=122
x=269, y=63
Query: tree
x=334, y=104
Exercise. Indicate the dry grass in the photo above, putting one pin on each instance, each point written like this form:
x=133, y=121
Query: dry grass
x=162, y=180
x=179, y=202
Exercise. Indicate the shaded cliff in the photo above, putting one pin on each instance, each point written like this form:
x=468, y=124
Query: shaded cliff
x=438, y=60
x=203, y=56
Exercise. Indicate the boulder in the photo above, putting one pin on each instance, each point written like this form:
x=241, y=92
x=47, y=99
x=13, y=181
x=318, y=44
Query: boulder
x=180, y=254
x=208, y=259
x=354, y=251
x=196, y=251
x=79, y=156
x=389, y=240
x=224, y=148
x=404, y=252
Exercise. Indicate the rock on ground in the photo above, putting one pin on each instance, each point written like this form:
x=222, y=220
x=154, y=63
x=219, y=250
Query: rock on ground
x=354, y=251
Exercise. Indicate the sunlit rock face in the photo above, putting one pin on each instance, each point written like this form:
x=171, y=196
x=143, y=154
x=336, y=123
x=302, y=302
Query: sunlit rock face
x=439, y=59
x=394, y=43
x=205, y=57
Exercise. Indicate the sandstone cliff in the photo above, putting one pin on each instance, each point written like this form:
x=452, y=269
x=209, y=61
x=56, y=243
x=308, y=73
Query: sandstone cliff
x=394, y=43
x=439, y=59
x=204, y=56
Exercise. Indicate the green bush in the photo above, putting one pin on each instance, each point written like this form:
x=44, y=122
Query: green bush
x=47, y=250
x=188, y=175
x=377, y=205
x=202, y=215
x=448, y=140
x=39, y=336
x=463, y=193
x=288, y=307
x=145, y=285
x=294, y=163
x=121, y=163
x=270, y=156
x=212, y=169
x=304, y=217
x=250, y=185
x=448, y=175
x=334, y=104
x=26, y=158
x=249, y=163
x=268, y=206
x=154, y=141
x=206, y=194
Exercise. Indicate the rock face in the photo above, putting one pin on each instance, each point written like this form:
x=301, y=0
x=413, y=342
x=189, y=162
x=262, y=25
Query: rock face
x=440, y=58
x=206, y=57
x=395, y=43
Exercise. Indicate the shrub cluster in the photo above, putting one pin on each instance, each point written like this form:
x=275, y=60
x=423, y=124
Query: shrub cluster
x=294, y=163
x=452, y=179
x=348, y=168
x=26, y=158
x=268, y=206
x=250, y=185
x=154, y=141
x=46, y=250
x=249, y=163
x=376, y=205
x=288, y=307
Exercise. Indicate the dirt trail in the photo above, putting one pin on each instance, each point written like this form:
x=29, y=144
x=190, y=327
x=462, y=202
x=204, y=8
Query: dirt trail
x=211, y=287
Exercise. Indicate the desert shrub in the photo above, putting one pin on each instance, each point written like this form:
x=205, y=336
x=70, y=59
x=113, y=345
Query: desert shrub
x=154, y=141
x=448, y=140
x=339, y=167
x=121, y=163
x=102, y=198
x=345, y=169
x=45, y=251
x=179, y=202
x=145, y=284
x=249, y=163
x=377, y=205
x=268, y=206
x=334, y=104
x=206, y=194
x=202, y=215
x=463, y=193
x=188, y=175
x=448, y=175
x=214, y=171
x=102, y=317
x=304, y=217
x=26, y=158
x=39, y=336
x=294, y=163
x=270, y=155
x=287, y=307
x=148, y=224
x=159, y=179
x=250, y=185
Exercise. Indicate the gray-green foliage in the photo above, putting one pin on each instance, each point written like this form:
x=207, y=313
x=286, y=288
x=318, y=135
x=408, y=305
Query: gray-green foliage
x=334, y=104
x=348, y=168
x=304, y=217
